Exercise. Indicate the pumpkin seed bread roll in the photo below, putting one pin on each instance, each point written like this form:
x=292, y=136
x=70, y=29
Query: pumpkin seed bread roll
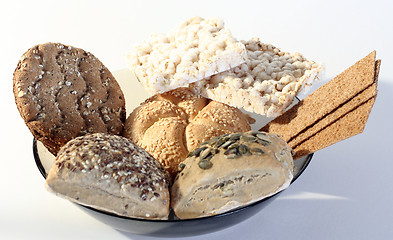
x=229, y=172
x=110, y=173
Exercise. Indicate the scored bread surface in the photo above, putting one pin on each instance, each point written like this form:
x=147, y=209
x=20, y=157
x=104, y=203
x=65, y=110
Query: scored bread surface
x=196, y=49
x=111, y=173
x=63, y=92
x=231, y=171
x=171, y=124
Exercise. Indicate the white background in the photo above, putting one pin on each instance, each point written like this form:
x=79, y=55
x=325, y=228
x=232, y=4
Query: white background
x=345, y=193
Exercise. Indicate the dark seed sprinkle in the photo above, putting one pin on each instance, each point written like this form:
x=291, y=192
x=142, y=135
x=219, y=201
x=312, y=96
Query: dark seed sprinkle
x=181, y=167
x=248, y=138
x=116, y=160
x=257, y=151
x=263, y=142
x=197, y=151
x=253, y=132
x=234, y=145
x=235, y=136
x=207, y=156
x=226, y=144
x=213, y=140
x=263, y=137
x=220, y=142
x=293, y=152
x=243, y=149
x=205, y=164
x=231, y=151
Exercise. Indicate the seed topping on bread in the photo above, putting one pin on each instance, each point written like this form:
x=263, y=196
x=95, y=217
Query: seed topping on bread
x=63, y=92
x=234, y=146
x=114, y=158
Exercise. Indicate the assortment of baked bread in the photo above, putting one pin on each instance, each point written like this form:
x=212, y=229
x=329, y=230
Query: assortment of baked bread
x=188, y=147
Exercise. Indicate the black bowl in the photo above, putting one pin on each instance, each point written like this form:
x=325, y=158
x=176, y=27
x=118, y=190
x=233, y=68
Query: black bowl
x=173, y=227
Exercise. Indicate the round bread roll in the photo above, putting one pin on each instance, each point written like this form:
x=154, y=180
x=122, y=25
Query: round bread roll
x=111, y=173
x=172, y=124
x=231, y=171
x=63, y=92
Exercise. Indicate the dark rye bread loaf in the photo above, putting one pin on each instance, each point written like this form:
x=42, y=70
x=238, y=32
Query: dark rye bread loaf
x=110, y=173
x=63, y=92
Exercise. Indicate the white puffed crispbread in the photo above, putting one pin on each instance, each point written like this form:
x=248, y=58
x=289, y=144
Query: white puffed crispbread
x=196, y=49
x=265, y=84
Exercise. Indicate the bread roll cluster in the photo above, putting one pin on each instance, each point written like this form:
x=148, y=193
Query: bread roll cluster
x=188, y=147
x=172, y=124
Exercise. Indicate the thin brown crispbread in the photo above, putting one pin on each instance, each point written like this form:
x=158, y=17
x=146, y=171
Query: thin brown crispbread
x=324, y=100
x=355, y=102
x=352, y=104
x=349, y=125
x=347, y=116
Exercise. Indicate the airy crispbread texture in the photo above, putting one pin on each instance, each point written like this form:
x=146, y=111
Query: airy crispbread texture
x=265, y=84
x=195, y=50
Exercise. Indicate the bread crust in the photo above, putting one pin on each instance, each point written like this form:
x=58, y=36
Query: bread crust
x=172, y=124
x=214, y=179
x=63, y=92
x=110, y=173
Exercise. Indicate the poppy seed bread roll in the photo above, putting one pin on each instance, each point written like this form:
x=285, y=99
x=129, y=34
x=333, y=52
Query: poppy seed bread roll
x=229, y=172
x=172, y=124
x=110, y=173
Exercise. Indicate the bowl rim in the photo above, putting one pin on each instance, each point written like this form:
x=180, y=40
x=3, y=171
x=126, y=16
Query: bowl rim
x=300, y=172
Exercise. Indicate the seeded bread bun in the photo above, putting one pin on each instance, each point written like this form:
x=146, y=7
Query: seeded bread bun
x=112, y=174
x=63, y=92
x=171, y=124
x=231, y=171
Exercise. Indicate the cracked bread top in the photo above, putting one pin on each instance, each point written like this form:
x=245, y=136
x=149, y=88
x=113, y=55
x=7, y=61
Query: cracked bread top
x=63, y=92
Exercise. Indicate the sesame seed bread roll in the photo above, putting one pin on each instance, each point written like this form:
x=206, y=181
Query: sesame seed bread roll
x=229, y=172
x=170, y=125
x=110, y=173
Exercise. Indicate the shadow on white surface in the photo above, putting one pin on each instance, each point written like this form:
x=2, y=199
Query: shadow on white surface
x=312, y=196
x=343, y=194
